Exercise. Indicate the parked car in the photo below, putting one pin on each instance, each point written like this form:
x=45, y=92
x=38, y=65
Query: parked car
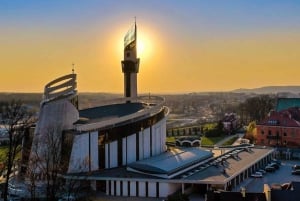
x=296, y=167
x=67, y=198
x=296, y=172
x=275, y=165
x=262, y=171
x=257, y=175
x=270, y=168
x=278, y=162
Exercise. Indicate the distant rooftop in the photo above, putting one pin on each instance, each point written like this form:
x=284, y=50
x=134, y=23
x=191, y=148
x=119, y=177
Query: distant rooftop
x=288, y=118
x=285, y=103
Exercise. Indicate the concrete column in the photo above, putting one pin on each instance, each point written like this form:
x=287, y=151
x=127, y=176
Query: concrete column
x=182, y=188
x=234, y=182
x=93, y=185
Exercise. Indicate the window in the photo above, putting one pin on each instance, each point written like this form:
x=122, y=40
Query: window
x=292, y=132
x=262, y=132
x=284, y=134
x=270, y=132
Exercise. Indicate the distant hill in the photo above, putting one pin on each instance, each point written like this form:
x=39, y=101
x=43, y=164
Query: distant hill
x=270, y=90
x=34, y=99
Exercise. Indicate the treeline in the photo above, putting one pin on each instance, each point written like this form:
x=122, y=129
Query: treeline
x=256, y=108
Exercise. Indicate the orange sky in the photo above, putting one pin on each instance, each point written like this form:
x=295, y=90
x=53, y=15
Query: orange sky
x=199, y=55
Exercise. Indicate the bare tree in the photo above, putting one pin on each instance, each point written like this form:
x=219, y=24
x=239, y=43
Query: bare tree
x=16, y=119
x=45, y=160
x=32, y=176
x=49, y=162
x=256, y=108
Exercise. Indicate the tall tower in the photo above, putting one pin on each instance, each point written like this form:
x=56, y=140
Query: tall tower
x=130, y=64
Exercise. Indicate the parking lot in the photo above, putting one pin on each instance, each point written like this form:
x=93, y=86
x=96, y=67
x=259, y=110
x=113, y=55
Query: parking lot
x=280, y=176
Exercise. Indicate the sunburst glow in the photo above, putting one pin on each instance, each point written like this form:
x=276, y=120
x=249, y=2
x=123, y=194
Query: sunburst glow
x=143, y=46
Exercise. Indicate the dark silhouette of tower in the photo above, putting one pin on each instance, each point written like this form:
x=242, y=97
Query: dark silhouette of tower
x=130, y=64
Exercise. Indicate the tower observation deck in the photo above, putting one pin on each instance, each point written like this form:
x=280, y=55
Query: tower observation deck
x=130, y=64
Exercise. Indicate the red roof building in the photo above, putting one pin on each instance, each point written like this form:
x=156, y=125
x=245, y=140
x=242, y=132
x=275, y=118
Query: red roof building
x=280, y=129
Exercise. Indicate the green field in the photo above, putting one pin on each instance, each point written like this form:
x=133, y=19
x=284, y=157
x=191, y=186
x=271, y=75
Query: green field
x=3, y=152
x=230, y=141
x=209, y=141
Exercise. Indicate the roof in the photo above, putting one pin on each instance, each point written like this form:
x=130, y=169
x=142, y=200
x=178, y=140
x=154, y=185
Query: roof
x=236, y=196
x=296, y=185
x=285, y=103
x=289, y=118
x=171, y=161
x=291, y=194
x=109, y=111
x=234, y=162
x=203, y=173
x=286, y=195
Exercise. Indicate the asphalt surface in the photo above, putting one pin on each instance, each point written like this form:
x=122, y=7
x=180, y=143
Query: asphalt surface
x=280, y=176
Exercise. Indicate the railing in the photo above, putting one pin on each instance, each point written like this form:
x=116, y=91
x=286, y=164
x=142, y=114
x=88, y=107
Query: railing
x=60, y=86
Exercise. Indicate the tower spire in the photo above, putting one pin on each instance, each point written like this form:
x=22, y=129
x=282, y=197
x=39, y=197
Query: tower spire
x=130, y=64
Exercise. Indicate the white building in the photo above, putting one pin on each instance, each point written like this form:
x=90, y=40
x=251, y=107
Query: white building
x=119, y=146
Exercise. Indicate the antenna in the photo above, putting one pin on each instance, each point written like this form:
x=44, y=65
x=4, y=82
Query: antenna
x=73, y=68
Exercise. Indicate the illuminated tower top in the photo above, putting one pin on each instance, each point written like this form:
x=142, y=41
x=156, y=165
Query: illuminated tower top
x=130, y=64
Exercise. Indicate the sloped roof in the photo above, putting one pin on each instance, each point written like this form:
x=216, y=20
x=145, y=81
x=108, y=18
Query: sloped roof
x=171, y=161
x=288, y=118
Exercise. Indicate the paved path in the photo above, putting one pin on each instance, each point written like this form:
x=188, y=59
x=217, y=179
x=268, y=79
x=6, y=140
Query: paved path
x=221, y=142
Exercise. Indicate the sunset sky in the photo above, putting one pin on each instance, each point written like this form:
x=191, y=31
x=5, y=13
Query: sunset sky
x=184, y=46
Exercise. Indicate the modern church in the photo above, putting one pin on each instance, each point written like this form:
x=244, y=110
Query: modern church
x=119, y=147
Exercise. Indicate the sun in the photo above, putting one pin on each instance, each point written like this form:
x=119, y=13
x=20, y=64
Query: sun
x=143, y=46
x=140, y=47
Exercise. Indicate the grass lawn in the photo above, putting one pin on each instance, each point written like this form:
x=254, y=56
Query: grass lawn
x=170, y=139
x=230, y=141
x=211, y=140
x=3, y=152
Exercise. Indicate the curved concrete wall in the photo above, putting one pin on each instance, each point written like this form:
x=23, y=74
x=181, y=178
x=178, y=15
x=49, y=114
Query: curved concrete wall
x=149, y=142
x=54, y=117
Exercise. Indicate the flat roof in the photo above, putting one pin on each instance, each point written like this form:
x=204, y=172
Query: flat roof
x=171, y=161
x=233, y=166
x=209, y=173
x=109, y=111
